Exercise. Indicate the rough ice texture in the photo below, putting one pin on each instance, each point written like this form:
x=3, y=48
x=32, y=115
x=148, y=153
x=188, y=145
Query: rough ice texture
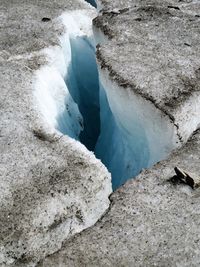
x=151, y=222
x=51, y=186
x=153, y=51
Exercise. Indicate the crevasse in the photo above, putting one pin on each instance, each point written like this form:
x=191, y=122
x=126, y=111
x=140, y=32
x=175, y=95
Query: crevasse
x=124, y=153
x=116, y=133
x=83, y=84
x=123, y=130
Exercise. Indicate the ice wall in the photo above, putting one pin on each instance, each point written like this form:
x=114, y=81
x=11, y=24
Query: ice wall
x=57, y=95
x=82, y=81
x=140, y=134
x=134, y=134
x=124, y=151
x=57, y=106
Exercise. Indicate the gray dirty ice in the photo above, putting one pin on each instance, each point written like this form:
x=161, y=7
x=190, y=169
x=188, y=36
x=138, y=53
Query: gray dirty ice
x=52, y=187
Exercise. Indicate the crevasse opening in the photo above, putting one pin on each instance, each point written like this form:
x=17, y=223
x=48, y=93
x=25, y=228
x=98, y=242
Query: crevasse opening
x=124, y=131
x=124, y=153
x=83, y=84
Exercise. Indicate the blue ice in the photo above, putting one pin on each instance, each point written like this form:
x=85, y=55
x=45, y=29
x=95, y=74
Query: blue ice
x=122, y=151
x=83, y=85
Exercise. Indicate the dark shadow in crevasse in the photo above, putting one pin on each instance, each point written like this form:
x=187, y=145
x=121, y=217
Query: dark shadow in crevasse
x=92, y=2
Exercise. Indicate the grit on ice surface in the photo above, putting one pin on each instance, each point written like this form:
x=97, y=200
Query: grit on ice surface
x=153, y=51
x=51, y=186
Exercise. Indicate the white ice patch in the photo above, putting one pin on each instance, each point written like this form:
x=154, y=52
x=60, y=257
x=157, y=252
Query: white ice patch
x=54, y=100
